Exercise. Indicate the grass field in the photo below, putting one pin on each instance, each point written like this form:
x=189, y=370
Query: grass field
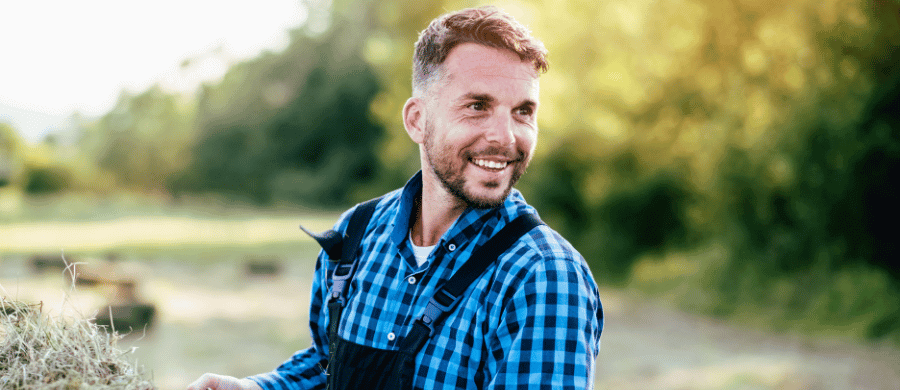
x=155, y=232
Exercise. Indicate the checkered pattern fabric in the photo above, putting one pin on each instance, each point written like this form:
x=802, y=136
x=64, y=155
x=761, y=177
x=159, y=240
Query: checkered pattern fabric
x=531, y=321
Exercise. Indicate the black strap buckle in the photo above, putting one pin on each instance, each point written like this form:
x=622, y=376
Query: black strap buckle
x=341, y=275
x=442, y=302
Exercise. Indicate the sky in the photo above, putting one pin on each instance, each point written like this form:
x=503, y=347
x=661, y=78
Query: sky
x=62, y=56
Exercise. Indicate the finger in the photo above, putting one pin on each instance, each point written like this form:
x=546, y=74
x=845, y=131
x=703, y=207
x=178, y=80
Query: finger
x=206, y=381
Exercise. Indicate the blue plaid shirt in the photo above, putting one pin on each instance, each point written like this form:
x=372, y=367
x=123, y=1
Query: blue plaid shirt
x=531, y=321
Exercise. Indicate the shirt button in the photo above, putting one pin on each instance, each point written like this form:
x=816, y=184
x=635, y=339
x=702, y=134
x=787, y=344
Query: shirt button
x=411, y=280
x=451, y=247
x=391, y=336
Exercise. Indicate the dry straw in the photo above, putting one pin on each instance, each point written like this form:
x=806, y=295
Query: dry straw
x=42, y=352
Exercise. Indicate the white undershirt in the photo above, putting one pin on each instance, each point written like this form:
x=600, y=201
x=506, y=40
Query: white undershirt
x=421, y=252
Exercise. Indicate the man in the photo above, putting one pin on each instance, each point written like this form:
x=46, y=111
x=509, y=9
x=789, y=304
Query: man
x=531, y=320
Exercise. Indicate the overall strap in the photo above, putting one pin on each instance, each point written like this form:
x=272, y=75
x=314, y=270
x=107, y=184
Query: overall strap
x=350, y=245
x=449, y=294
x=343, y=248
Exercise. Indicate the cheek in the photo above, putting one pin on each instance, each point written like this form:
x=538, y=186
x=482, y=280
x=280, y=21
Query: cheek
x=527, y=141
x=460, y=139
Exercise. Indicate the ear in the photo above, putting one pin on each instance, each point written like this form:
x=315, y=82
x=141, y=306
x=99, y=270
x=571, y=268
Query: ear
x=414, y=119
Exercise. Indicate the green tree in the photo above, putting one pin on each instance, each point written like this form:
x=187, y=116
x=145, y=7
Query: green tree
x=293, y=125
x=144, y=140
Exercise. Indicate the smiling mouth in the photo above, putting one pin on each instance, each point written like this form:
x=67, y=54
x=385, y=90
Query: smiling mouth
x=488, y=164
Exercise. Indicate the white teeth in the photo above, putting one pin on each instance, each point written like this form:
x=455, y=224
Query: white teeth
x=490, y=164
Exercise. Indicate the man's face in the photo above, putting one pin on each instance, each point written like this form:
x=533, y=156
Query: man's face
x=481, y=125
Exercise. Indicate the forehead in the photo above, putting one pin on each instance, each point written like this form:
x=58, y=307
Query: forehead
x=471, y=67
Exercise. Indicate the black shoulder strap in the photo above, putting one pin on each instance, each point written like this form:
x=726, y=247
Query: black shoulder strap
x=345, y=247
x=446, y=297
x=356, y=228
x=488, y=252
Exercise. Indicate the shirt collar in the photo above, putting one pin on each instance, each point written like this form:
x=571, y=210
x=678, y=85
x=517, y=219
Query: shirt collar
x=470, y=219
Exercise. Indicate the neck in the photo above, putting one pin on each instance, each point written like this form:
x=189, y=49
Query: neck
x=435, y=211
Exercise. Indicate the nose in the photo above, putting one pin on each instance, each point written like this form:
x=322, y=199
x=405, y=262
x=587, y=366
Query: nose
x=500, y=130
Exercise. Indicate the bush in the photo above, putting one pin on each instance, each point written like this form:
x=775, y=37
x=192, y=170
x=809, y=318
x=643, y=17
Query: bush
x=47, y=180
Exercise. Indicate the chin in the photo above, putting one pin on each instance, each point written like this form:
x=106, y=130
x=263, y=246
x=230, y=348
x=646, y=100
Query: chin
x=487, y=198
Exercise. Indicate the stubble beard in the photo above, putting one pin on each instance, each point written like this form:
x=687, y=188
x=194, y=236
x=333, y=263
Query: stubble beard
x=449, y=167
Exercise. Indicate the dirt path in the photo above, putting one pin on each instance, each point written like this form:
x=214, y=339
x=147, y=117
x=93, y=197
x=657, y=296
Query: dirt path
x=217, y=319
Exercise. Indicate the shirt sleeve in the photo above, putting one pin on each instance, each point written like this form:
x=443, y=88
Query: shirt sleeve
x=306, y=368
x=549, y=334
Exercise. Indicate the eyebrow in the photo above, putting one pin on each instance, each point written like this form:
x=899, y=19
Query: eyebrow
x=483, y=97
x=478, y=97
x=528, y=103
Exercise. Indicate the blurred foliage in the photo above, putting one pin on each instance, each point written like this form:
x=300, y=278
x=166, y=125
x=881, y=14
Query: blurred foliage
x=10, y=155
x=47, y=180
x=291, y=126
x=43, y=169
x=762, y=135
x=143, y=141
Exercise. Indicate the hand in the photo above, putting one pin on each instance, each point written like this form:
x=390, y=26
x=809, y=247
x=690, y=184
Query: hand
x=222, y=382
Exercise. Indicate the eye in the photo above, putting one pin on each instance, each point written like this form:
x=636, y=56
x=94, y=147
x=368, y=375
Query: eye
x=477, y=106
x=525, y=111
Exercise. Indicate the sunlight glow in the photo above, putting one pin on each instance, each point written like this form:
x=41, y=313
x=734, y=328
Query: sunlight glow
x=62, y=56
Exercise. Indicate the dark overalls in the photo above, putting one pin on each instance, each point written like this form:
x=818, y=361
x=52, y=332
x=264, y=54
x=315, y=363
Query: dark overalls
x=354, y=366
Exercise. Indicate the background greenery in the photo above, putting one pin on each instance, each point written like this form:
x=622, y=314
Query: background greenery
x=737, y=157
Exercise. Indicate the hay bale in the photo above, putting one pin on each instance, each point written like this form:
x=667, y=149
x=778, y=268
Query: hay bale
x=38, y=352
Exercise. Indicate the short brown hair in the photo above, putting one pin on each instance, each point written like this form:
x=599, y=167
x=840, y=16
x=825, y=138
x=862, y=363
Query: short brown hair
x=488, y=26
